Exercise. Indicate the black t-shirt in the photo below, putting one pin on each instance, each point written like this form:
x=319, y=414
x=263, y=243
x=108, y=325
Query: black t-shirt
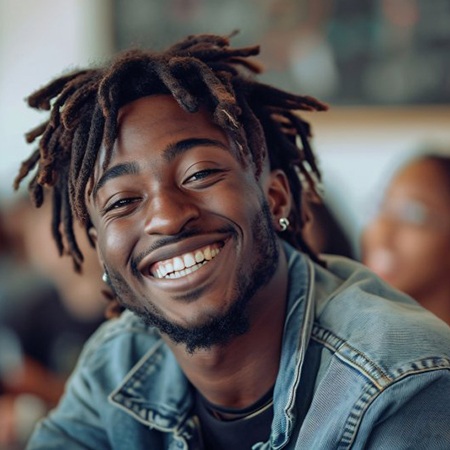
x=250, y=426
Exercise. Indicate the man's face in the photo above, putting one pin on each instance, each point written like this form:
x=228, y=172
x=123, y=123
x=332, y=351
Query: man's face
x=184, y=231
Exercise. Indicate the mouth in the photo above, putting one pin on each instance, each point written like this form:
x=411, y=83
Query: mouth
x=382, y=262
x=186, y=263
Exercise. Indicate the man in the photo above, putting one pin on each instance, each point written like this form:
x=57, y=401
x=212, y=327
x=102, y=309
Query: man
x=185, y=172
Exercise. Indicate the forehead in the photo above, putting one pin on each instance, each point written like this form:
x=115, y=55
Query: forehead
x=159, y=119
x=424, y=181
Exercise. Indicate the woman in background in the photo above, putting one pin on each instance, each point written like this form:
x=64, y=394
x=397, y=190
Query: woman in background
x=408, y=242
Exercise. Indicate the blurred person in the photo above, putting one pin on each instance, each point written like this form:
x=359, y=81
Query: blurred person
x=76, y=296
x=322, y=230
x=236, y=334
x=17, y=277
x=4, y=244
x=408, y=242
x=47, y=329
x=26, y=387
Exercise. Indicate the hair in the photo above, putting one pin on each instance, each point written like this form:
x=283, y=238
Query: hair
x=436, y=157
x=201, y=70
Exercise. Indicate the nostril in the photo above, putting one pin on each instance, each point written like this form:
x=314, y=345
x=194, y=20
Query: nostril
x=170, y=215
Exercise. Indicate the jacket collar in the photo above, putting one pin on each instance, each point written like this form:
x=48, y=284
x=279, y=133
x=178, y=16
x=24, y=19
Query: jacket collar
x=297, y=330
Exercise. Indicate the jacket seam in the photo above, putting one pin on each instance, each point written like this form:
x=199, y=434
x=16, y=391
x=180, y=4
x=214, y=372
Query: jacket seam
x=324, y=336
x=351, y=430
x=418, y=366
x=373, y=388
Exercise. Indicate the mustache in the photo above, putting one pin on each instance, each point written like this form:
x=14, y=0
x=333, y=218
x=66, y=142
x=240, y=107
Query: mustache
x=167, y=240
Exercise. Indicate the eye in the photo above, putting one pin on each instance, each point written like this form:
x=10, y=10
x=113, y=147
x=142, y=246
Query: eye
x=121, y=204
x=407, y=212
x=202, y=175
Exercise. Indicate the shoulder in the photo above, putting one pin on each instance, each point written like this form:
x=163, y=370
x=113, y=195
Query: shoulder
x=118, y=344
x=358, y=311
x=383, y=359
x=126, y=326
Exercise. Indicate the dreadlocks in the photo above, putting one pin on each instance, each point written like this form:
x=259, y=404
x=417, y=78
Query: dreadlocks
x=201, y=70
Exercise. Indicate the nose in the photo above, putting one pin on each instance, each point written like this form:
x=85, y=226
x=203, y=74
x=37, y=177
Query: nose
x=169, y=212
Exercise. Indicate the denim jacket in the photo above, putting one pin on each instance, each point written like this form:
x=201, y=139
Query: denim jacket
x=362, y=367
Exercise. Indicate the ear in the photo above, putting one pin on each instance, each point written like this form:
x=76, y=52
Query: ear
x=278, y=194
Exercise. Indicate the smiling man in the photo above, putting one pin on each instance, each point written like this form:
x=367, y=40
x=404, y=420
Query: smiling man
x=172, y=184
x=187, y=174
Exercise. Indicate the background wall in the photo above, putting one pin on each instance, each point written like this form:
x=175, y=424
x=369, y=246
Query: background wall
x=38, y=41
x=358, y=146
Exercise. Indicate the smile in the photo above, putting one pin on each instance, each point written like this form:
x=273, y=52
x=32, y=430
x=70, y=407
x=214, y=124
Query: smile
x=183, y=265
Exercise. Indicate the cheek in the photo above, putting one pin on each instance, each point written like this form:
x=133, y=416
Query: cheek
x=369, y=239
x=378, y=234
x=238, y=202
x=424, y=249
x=424, y=262
x=117, y=242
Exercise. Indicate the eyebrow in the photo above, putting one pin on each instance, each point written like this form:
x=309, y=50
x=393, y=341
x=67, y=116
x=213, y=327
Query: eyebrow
x=169, y=154
x=174, y=150
x=114, y=172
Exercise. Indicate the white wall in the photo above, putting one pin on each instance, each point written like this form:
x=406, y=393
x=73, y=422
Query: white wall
x=360, y=148
x=38, y=41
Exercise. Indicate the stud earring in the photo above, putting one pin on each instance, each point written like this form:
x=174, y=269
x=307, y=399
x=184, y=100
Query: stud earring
x=105, y=278
x=284, y=223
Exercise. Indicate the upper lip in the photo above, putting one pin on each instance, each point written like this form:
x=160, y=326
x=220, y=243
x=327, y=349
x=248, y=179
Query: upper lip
x=179, y=248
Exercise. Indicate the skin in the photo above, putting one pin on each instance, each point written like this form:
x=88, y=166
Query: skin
x=184, y=190
x=408, y=243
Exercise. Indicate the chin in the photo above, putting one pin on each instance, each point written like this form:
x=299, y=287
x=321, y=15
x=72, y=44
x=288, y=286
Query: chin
x=216, y=330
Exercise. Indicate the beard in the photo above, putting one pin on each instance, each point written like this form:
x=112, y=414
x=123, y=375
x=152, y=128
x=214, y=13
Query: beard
x=221, y=328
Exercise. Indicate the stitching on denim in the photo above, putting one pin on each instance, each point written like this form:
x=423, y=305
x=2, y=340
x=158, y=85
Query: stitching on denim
x=123, y=396
x=351, y=356
x=375, y=388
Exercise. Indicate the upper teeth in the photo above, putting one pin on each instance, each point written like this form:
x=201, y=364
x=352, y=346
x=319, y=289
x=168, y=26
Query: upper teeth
x=182, y=265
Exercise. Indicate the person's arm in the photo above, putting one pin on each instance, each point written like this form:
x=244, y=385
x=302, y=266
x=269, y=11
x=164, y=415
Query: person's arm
x=412, y=413
x=75, y=424
x=78, y=420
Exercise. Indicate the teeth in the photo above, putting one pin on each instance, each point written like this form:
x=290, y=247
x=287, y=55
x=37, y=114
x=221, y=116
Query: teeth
x=183, y=265
x=189, y=260
x=178, y=264
x=184, y=272
x=199, y=256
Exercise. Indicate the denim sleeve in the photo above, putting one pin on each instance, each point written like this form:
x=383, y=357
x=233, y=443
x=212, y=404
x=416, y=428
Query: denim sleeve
x=85, y=418
x=78, y=420
x=73, y=425
x=412, y=413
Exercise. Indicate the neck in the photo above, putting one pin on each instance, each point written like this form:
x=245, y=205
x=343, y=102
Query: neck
x=239, y=373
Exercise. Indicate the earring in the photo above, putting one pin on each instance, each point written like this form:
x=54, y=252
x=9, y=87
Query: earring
x=284, y=223
x=105, y=278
